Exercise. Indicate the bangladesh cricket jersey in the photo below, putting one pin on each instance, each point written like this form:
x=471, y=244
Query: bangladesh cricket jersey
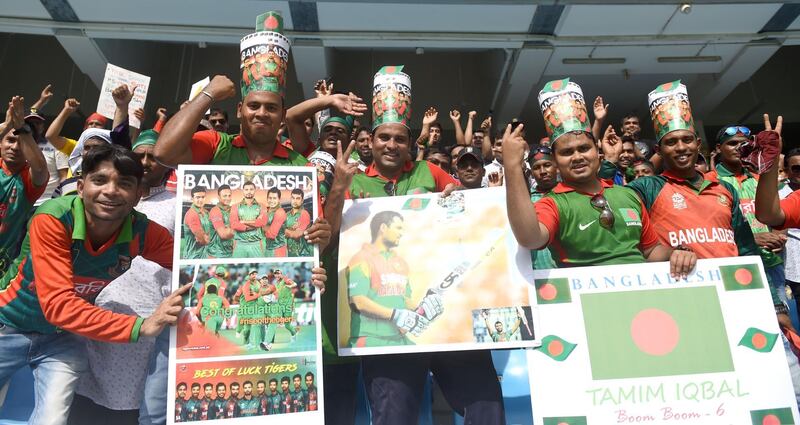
x=285, y=298
x=211, y=147
x=58, y=273
x=212, y=311
x=217, y=409
x=220, y=218
x=249, y=299
x=193, y=409
x=253, y=212
x=298, y=222
x=381, y=276
x=204, y=409
x=181, y=414
x=299, y=400
x=311, y=398
x=274, y=404
x=417, y=177
x=275, y=233
x=745, y=185
x=541, y=258
x=231, y=408
x=249, y=407
x=502, y=336
x=286, y=402
x=576, y=237
x=17, y=195
x=196, y=224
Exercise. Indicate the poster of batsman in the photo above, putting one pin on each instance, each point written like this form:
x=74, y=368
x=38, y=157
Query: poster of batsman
x=423, y=273
x=247, y=344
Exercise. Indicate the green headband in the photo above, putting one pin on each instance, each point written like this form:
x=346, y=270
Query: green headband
x=347, y=122
x=146, y=138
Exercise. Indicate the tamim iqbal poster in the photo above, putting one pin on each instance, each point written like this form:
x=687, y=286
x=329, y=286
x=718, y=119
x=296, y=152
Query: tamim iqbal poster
x=423, y=273
x=248, y=342
x=629, y=344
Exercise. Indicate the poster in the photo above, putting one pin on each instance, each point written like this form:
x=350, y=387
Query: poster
x=628, y=344
x=248, y=342
x=423, y=273
x=197, y=88
x=115, y=77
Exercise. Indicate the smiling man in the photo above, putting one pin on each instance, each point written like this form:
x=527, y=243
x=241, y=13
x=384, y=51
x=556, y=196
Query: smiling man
x=76, y=245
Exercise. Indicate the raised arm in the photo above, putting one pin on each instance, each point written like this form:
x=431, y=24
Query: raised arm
x=429, y=118
x=488, y=138
x=175, y=141
x=44, y=98
x=348, y=104
x=600, y=112
x=122, y=96
x=53, y=134
x=468, y=130
x=525, y=224
x=768, y=206
x=31, y=152
x=343, y=172
x=455, y=116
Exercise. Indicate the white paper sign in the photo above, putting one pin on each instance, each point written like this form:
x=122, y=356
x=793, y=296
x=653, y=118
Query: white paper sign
x=115, y=77
x=197, y=88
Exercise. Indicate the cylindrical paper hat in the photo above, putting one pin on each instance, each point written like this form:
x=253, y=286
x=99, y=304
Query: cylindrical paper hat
x=670, y=109
x=265, y=56
x=563, y=109
x=391, y=97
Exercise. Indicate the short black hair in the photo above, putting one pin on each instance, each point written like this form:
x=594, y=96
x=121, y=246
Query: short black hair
x=220, y=384
x=261, y=381
x=275, y=191
x=273, y=380
x=285, y=379
x=297, y=376
x=362, y=128
x=437, y=125
x=223, y=187
x=311, y=374
x=247, y=382
x=234, y=384
x=182, y=384
x=249, y=183
x=298, y=191
x=218, y=111
x=381, y=218
x=629, y=115
x=196, y=384
x=645, y=162
x=125, y=162
x=792, y=152
x=208, y=385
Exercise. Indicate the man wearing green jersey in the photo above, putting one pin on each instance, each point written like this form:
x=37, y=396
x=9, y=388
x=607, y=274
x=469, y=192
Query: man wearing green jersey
x=220, y=403
x=197, y=227
x=212, y=309
x=273, y=398
x=247, y=306
x=282, y=311
x=217, y=280
x=221, y=245
x=193, y=404
x=297, y=222
x=286, y=396
x=248, y=404
x=275, y=226
x=261, y=395
x=499, y=334
x=299, y=395
x=545, y=175
x=247, y=219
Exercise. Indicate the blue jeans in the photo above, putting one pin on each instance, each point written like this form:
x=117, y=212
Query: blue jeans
x=154, y=404
x=57, y=360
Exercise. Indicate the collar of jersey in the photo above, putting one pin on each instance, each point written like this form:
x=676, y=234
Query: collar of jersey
x=8, y=171
x=725, y=172
x=280, y=151
x=561, y=187
x=79, y=226
x=707, y=180
x=372, y=170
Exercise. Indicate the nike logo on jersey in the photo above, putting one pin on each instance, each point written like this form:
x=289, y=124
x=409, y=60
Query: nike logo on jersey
x=585, y=226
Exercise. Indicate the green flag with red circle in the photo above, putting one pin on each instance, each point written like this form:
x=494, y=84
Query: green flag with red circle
x=556, y=348
x=779, y=416
x=659, y=332
x=743, y=276
x=758, y=340
x=416, y=204
x=552, y=291
x=565, y=420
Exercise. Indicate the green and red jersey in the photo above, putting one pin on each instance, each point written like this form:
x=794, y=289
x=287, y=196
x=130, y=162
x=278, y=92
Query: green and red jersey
x=254, y=212
x=274, y=231
x=576, y=237
x=745, y=185
x=251, y=407
x=220, y=218
x=274, y=404
x=298, y=222
x=212, y=147
x=541, y=258
x=196, y=226
x=791, y=211
x=299, y=400
x=417, y=177
x=17, y=195
x=58, y=273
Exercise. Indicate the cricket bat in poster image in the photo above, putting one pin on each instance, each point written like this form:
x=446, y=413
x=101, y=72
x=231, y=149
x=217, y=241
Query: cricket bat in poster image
x=248, y=342
x=423, y=273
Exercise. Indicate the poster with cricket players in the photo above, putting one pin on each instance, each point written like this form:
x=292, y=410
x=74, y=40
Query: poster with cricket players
x=629, y=344
x=422, y=273
x=248, y=342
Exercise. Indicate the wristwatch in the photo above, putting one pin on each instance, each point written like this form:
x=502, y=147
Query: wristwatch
x=25, y=129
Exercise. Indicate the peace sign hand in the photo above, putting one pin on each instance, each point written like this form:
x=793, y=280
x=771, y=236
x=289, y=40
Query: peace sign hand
x=344, y=170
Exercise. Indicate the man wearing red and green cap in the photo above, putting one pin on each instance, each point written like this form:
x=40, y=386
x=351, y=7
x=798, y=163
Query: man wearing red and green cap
x=393, y=383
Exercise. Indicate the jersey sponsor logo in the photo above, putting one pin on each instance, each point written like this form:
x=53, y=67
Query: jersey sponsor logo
x=392, y=284
x=88, y=287
x=701, y=235
x=679, y=202
x=724, y=201
x=583, y=227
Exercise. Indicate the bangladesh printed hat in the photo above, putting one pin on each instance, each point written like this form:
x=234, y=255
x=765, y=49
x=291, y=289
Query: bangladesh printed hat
x=670, y=109
x=563, y=109
x=264, y=56
x=391, y=97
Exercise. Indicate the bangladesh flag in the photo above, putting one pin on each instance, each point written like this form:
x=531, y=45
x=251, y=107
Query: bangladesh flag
x=555, y=85
x=758, y=340
x=661, y=332
x=270, y=21
x=565, y=420
x=391, y=69
x=552, y=291
x=741, y=276
x=668, y=86
x=416, y=204
x=780, y=416
x=556, y=348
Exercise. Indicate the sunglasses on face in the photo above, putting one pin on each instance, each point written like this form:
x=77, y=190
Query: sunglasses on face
x=600, y=203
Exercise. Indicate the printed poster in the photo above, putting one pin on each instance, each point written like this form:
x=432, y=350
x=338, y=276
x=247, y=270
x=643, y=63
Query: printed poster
x=248, y=342
x=629, y=344
x=422, y=273
x=115, y=77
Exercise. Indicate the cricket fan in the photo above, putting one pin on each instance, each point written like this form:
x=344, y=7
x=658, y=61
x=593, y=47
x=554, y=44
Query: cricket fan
x=76, y=245
x=394, y=383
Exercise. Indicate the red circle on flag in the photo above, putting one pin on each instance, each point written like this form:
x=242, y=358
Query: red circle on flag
x=759, y=341
x=548, y=292
x=390, y=70
x=632, y=215
x=770, y=420
x=555, y=348
x=743, y=276
x=271, y=22
x=655, y=332
x=556, y=85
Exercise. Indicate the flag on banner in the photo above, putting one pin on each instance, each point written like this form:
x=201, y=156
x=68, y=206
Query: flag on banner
x=416, y=204
x=744, y=276
x=552, y=291
x=660, y=332
x=758, y=340
x=779, y=416
x=556, y=348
